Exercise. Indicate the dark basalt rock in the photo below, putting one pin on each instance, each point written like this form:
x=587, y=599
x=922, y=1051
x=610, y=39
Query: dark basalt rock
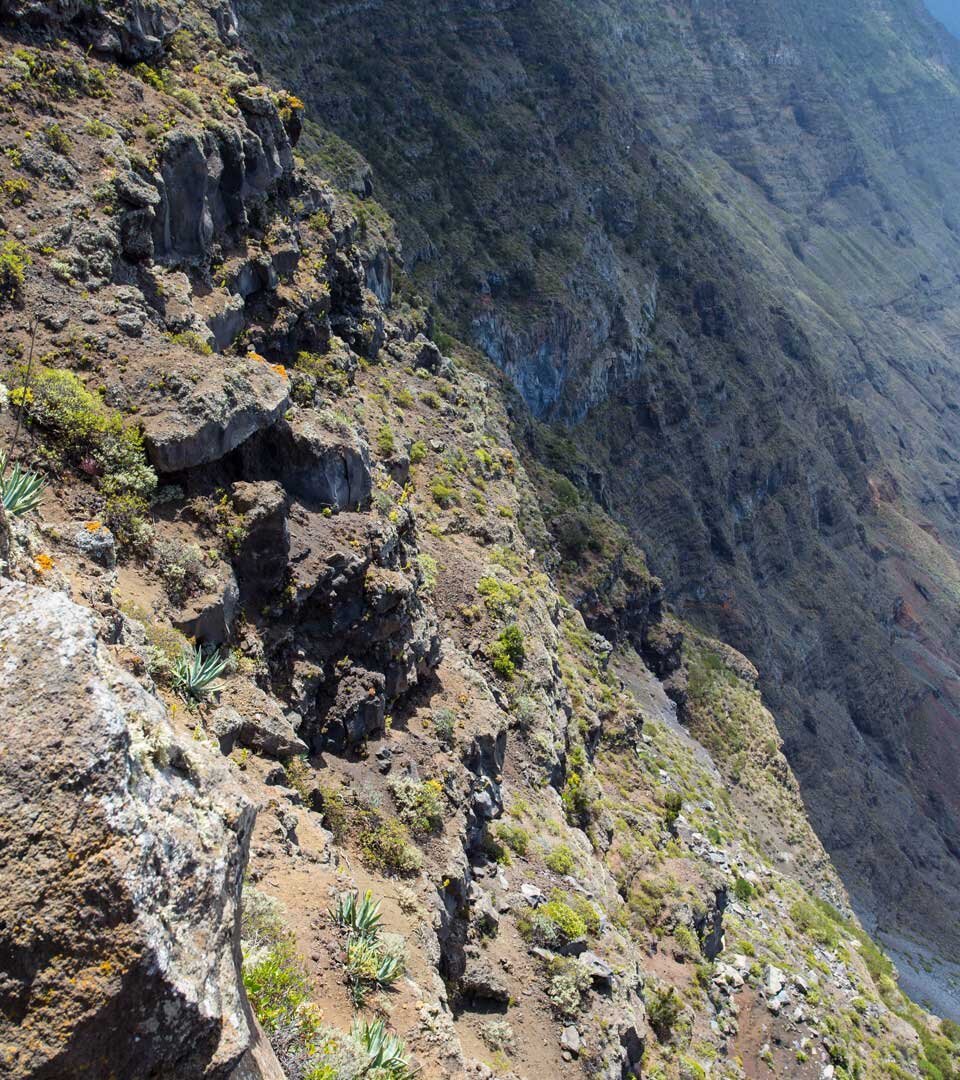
x=261, y=560
x=313, y=464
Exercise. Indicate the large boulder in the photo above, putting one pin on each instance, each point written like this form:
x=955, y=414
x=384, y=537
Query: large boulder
x=200, y=421
x=122, y=851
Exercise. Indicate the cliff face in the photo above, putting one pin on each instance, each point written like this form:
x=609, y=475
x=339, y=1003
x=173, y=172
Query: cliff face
x=718, y=243
x=301, y=724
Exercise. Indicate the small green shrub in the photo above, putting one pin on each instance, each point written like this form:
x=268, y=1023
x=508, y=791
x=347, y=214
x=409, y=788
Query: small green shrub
x=14, y=261
x=429, y=568
x=57, y=139
x=569, y=983
x=515, y=837
x=581, y=796
x=688, y=947
x=444, y=723
x=386, y=1054
x=149, y=75
x=418, y=452
x=814, y=922
x=386, y=442
x=357, y=915
x=507, y=653
x=299, y=776
x=560, y=860
x=333, y=372
x=442, y=490
x=370, y=967
x=420, y=805
x=743, y=890
x=498, y=1036
x=189, y=339
x=499, y=596
x=18, y=191
x=385, y=847
x=335, y=812
x=555, y=923
x=98, y=129
x=195, y=674
x=664, y=1008
x=566, y=493
x=21, y=490
x=278, y=987
x=672, y=804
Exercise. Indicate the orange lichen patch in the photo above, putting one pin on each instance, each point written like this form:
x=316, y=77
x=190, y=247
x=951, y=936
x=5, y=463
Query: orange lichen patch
x=256, y=356
x=93, y=526
x=42, y=563
x=280, y=370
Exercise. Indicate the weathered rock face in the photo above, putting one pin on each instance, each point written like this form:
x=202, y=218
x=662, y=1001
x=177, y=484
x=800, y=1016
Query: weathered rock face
x=132, y=31
x=364, y=637
x=207, y=180
x=122, y=852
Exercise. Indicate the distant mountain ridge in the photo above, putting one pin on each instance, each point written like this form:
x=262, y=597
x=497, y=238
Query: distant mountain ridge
x=948, y=12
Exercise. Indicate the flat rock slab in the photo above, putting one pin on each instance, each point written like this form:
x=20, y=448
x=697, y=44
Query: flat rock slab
x=210, y=406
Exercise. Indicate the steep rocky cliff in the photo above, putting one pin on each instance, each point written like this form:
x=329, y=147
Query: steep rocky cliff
x=310, y=764
x=717, y=243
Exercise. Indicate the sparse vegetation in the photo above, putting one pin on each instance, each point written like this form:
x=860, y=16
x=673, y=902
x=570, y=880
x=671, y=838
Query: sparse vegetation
x=419, y=804
x=385, y=846
x=279, y=989
x=78, y=430
x=374, y=960
x=569, y=983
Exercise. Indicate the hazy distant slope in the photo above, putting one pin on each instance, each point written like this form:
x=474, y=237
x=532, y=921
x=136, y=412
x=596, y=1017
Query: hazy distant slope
x=948, y=12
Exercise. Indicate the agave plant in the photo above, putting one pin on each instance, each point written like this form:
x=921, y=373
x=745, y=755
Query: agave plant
x=384, y=1051
x=370, y=967
x=194, y=674
x=21, y=490
x=360, y=917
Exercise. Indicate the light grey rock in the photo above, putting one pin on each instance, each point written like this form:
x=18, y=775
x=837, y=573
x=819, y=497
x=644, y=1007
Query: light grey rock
x=97, y=543
x=210, y=618
x=570, y=1040
x=122, y=851
x=225, y=724
x=773, y=981
x=533, y=895
x=600, y=971
x=264, y=727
